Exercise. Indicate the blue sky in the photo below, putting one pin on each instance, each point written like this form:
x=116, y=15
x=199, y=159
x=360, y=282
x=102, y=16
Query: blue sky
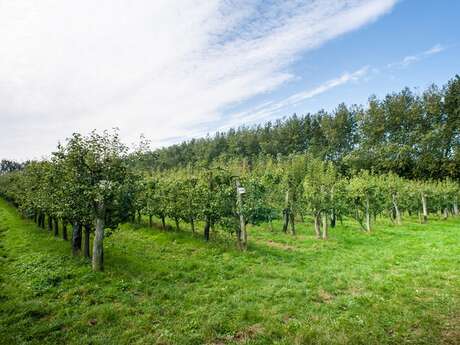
x=409, y=31
x=175, y=70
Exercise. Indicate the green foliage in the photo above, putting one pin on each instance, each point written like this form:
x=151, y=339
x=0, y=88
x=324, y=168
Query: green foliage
x=415, y=136
x=365, y=192
x=321, y=187
x=398, y=157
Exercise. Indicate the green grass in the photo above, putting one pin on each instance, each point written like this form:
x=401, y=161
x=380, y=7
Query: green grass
x=399, y=285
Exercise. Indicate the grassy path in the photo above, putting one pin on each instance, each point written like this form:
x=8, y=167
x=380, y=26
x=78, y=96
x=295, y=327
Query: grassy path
x=401, y=285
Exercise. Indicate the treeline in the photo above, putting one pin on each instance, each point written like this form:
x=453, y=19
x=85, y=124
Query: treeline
x=91, y=183
x=7, y=166
x=412, y=135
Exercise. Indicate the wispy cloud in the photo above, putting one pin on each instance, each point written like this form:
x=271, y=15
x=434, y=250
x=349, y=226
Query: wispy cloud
x=165, y=68
x=410, y=59
x=270, y=110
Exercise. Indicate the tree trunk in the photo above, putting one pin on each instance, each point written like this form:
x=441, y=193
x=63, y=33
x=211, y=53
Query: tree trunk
x=318, y=225
x=163, y=223
x=425, y=208
x=176, y=220
x=325, y=225
x=333, y=218
x=285, y=220
x=86, y=253
x=456, y=207
x=56, y=227
x=368, y=216
x=64, y=230
x=242, y=234
x=446, y=213
x=286, y=213
x=98, y=243
x=150, y=221
x=396, y=209
x=192, y=224
x=76, y=238
x=139, y=217
x=292, y=217
x=50, y=223
x=207, y=225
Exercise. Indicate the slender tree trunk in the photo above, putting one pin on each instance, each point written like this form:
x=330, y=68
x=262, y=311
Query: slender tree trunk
x=150, y=221
x=76, y=238
x=325, y=225
x=425, y=208
x=318, y=225
x=163, y=223
x=456, y=207
x=64, y=230
x=286, y=212
x=98, y=240
x=396, y=209
x=50, y=223
x=392, y=215
x=292, y=221
x=56, y=227
x=333, y=218
x=192, y=224
x=98, y=243
x=270, y=222
x=176, y=220
x=139, y=217
x=302, y=219
x=242, y=235
x=368, y=216
x=285, y=220
x=207, y=226
x=86, y=252
x=446, y=213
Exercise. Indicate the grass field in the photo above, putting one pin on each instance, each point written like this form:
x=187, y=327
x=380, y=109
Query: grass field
x=399, y=285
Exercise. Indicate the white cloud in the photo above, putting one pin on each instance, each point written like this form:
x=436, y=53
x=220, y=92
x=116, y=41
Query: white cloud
x=164, y=68
x=410, y=59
